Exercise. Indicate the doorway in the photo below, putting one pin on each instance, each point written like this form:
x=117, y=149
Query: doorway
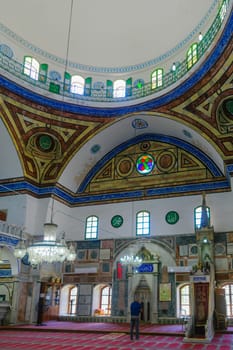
x=144, y=295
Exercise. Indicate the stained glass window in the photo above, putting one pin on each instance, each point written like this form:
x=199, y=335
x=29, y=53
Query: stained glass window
x=145, y=164
x=157, y=78
x=192, y=56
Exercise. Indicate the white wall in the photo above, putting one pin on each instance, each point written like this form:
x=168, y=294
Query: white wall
x=33, y=213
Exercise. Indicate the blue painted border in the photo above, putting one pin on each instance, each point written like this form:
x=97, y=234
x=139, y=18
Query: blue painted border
x=71, y=199
x=85, y=199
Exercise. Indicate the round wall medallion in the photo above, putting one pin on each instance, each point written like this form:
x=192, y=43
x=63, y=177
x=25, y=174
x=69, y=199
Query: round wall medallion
x=124, y=166
x=166, y=161
x=172, y=217
x=193, y=249
x=220, y=249
x=145, y=146
x=117, y=221
x=95, y=149
x=45, y=142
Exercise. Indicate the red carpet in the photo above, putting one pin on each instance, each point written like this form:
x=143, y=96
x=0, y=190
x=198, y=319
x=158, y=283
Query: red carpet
x=27, y=340
x=103, y=327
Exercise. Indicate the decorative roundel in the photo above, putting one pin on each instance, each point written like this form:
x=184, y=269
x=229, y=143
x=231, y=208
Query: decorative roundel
x=45, y=142
x=194, y=249
x=138, y=84
x=6, y=50
x=139, y=124
x=117, y=221
x=125, y=166
x=166, y=161
x=172, y=217
x=95, y=149
x=145, y=146
x=220, y=249
x=54, y=75
x=145, y=164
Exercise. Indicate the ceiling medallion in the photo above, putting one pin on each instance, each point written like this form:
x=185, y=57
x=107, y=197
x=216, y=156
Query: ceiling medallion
x=45, y=142
x=139, y=124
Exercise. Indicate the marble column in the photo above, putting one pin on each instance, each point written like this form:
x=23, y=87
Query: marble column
x=155, y=296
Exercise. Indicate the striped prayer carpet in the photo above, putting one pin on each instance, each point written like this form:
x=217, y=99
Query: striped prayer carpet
x=49, y=340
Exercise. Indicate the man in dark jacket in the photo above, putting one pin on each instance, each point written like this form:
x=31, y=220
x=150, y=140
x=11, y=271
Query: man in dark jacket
x=135, y=309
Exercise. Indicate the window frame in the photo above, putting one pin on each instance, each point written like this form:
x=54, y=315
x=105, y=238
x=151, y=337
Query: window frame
x=72, y=307
x=77, y=85
x=91, y=227
x=157, y=78
x=184, y=309
x=192, y=55
x=31, y=67
x=108, y=296
x=198, y=214
x=229, y=304
x=119, y=88
x=143, y=223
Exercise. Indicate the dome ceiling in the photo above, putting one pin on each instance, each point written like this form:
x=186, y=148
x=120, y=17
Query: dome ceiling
x=107, y=33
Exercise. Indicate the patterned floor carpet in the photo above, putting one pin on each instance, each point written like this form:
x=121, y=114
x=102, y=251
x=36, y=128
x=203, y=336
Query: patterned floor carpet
x=30, y=340
x=111, y=336
x=103, y=327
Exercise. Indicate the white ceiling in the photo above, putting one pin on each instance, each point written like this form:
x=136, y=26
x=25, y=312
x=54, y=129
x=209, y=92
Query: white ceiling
x=107, y=33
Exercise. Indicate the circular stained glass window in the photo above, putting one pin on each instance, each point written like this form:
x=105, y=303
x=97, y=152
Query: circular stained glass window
x=145, y=164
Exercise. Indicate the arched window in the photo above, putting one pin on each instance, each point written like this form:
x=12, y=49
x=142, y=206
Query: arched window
x=77, y=85
x=198, y=216
x=229, y=298
x=184, y=301
x=72, y=305
x=91, y=231
x=119, y=88
x=143, y=223
x=31, y=67
x=191, y=57
x=157, y=78
x=106, y=299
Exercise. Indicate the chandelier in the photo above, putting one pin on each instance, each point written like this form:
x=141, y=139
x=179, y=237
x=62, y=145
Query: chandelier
x=47, y=251
x=20, y=248
x=131, y=260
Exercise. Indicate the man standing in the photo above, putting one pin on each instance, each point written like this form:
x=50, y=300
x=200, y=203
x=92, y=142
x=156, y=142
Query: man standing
x=135, y=309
